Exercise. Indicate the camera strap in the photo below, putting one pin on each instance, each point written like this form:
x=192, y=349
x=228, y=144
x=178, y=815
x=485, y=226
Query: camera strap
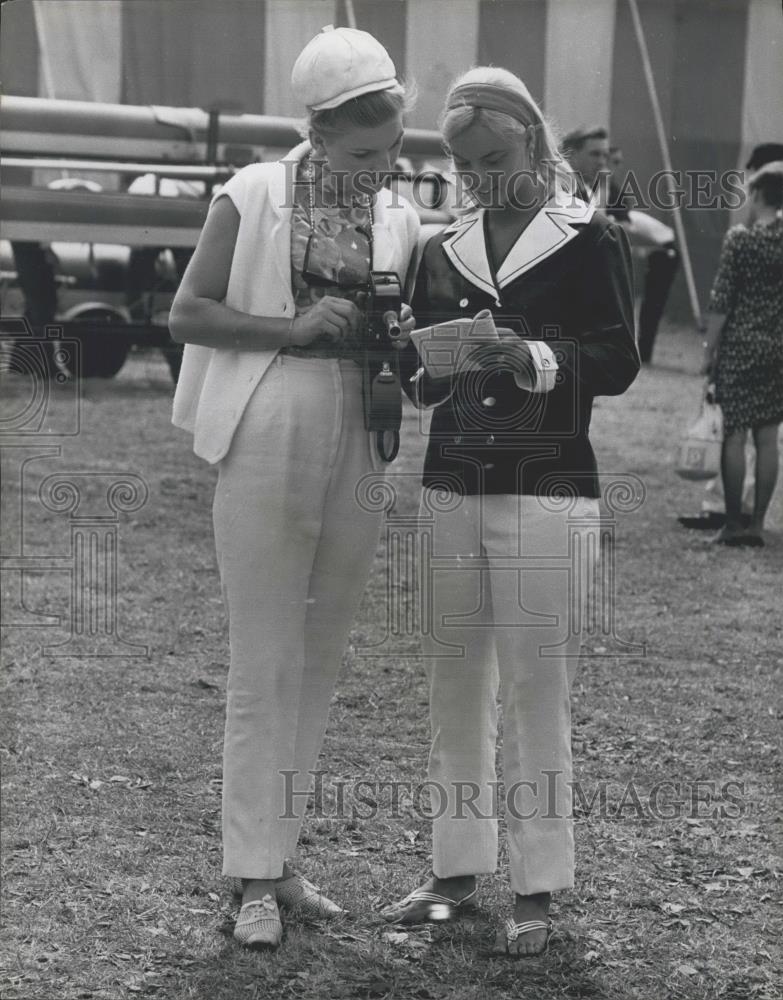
x=381, y=388
x=382, y=393
x=388, y=444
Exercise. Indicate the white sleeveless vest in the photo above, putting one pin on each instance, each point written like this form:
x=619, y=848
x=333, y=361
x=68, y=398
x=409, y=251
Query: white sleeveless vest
x=215, y=384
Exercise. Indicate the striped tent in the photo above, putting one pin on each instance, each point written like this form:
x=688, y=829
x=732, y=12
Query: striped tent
x=718, y=65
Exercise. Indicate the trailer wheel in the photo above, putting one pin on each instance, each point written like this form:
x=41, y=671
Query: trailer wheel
x=103, y=351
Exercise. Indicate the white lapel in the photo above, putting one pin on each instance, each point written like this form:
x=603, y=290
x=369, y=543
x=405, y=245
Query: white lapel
x=467, y=251
x=551, y=229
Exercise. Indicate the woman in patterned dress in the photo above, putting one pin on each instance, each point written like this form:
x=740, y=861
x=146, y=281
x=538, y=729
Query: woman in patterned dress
x=744, y=352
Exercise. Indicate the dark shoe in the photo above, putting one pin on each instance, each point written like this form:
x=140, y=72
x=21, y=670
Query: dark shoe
x=744, y=542
x=709, y=520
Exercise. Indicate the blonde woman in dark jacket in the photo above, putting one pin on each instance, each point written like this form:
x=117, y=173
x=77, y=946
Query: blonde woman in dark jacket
x=510, y=493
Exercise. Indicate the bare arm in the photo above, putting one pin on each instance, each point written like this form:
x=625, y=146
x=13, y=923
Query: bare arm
x=722, y=296
x=714, y=326
x=199, y=315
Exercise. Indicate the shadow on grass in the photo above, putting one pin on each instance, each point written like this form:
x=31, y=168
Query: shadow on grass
x=354, y=959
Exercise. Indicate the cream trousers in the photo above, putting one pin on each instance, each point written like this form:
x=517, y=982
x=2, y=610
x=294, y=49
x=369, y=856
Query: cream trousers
x=507, y=585
x=294, y=547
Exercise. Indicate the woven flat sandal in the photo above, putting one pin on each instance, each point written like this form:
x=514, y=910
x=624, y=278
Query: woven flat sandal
x=258, y=925
x=440, y=908
x=299, y=894
x=512, y=931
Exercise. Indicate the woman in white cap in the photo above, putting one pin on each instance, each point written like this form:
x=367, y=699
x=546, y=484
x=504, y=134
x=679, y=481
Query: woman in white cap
x=510, y=496
x=272, y=309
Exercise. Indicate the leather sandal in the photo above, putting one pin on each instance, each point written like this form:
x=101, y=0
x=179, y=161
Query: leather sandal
x=258, y=925
x=439, y=908
x=511, y=931
x=299, y=894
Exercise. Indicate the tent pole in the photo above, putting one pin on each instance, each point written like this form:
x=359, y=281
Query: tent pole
x=350, y=13
x=664, y=144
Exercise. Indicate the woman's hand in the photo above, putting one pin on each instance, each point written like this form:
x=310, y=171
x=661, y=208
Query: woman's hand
x=711, y=329
x=510, y=354
x=515, y=357
x=331, y=316
x=407, y=324
x=516, y=353
x=708, y=363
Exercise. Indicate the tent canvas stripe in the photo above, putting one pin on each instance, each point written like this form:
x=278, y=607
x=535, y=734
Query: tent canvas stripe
x=19, y=50
x=178, y=52
x=287, y=31
x=19, y=62
x=578, y=76
x=155, y=63
x=386, y=21
x=79, y=49
x=706, y=121
x=512, y=34
x=762, y=104
x=227, y=55
x=441, y=37
x=630, y=120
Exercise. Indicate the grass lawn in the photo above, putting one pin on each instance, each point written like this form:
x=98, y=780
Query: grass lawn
x=111, y=797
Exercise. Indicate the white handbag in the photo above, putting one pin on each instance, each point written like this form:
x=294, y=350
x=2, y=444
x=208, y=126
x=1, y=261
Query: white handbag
x=698, y=456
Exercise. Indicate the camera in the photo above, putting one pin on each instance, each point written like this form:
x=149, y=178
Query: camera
x=381, y=373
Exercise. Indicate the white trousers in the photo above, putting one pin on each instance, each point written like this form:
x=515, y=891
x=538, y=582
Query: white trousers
x=294, y=547
x=507, y=586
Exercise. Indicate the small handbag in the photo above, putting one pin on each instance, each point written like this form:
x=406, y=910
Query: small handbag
x=698, y=456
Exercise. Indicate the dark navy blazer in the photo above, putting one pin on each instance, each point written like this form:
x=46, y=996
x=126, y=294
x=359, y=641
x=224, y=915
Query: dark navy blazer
x=567, y=281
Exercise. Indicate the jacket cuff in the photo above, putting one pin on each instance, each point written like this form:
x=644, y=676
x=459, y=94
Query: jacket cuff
x=544, y=365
